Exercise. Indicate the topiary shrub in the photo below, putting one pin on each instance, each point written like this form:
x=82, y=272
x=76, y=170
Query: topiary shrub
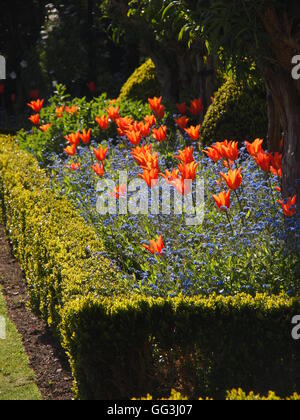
x=238, y=111
x=142, y=84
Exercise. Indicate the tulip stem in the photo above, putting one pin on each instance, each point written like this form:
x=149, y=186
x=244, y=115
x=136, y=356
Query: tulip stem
x=229, y=221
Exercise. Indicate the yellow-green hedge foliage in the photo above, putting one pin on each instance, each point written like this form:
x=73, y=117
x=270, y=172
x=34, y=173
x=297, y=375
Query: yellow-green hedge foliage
x=142, y=84
x=238, y=112
x=57, y=250
x=234, y=395
x=122, y=345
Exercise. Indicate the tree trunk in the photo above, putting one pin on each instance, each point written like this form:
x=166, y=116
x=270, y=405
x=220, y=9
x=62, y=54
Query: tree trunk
x=284, y=101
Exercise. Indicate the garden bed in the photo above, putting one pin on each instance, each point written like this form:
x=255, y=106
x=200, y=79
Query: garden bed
x=122, y=345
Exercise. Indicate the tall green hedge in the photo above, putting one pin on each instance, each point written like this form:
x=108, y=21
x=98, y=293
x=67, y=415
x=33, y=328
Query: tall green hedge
x=122, y=345
x=142, y=84
x=238, y=111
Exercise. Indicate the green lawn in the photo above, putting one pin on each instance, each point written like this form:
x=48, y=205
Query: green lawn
x=16, y=377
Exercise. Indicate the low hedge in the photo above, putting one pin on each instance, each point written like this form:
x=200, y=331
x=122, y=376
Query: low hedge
x=58, y=252
x=122, y=345
x=234, y=395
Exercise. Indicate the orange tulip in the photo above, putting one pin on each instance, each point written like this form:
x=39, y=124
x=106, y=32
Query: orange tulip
x=233, y=179
x=134, y=137
x=144, y=129
x=113, y=113
x=276, y=164
x=150, y=119
x=223, y=200
x=255, y=147
x=229, y=150
x=71, y=109
x=186, y=155
x=182, y=122
x=182, y=108
x=74, y=167
x=171, y=176
x=86, y=136
x=263, y=160
x=188, y=170
x=73, y=138
x=150, y=177
x=35, y=119
x=213, y=154
x=288, y=206
x=141, y=154
x=36, y=105
x=60, y=111
x=155, y=246
x=101, y=153
x=71, y=150
x=157, y=107
x=196, y=107
x=103, y=122
x=193, y=132
x=123, y=125
x=44, y=128
x=160, y=134
x=98, y=169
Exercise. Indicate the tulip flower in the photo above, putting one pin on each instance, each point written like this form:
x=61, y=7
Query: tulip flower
x=157, y=107
x=255, y=147
x=155, y=246
x=60, y=111
x=35, y=119
x=101, y=153
x=123, y=125
x=288, y=206
x=160, y=134
x=229, y=150
x=144, y=128
x=150, y=119
x=263, y=160
x=103, y=122
x=151, y=163
x=276, y=164
x=196, y=107
x=71, y=150
x=188, y=170
x=134, y=137
x=141, y=154
x=186, y=155
x=233, y=179
x=113, y=113
x=182, y=108
x=44, y=128
x=75, y=166
x=193, y=132
x=171, y=176
x=85, y=136
x=223, y=200
x=73, y=138
x=36, y=106
x=150, y=177
x=213, y=154
x=182, y=122
x=71, y=109
x=99, y=169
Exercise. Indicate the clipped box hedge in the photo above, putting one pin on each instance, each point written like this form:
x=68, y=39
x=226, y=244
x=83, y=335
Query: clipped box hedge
x=122, y=345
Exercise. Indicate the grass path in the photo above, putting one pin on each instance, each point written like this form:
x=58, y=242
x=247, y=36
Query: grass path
x=16, y=377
